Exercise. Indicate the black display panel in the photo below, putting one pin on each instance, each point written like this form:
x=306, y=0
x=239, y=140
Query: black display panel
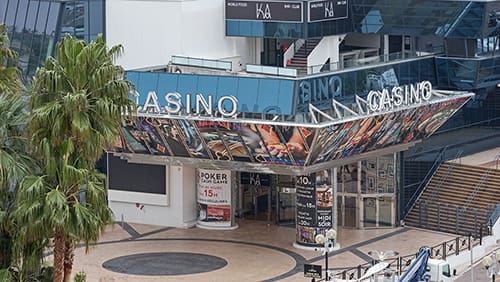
x=143, y=178
x=271, y=11
x=325, y=10
x=306, y=201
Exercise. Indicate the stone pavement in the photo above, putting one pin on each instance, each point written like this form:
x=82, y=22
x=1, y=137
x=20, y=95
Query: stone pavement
x=256, y=251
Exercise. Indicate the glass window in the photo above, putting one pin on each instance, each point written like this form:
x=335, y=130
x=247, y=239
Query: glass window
x=52, y=18
x=32, y=16
x=96, y=17
x=232, y=28
x=43, y=14
x=385, y=211
x=167, y=83
x=147, y=82
x=446, y=270
x=208, y=85
x=3, y=10
x=246, y=93
x=22, y=10
x=10, y=13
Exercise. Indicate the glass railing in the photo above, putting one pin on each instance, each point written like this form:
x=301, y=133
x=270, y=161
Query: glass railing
x=367, y=61
x=200, y=62
x=271, y=70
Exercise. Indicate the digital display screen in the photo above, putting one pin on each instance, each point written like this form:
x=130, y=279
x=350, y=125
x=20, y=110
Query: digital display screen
x=282, y=144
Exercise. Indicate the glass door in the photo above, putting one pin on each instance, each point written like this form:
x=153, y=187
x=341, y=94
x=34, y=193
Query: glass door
x=370, y=212
x=285, y=208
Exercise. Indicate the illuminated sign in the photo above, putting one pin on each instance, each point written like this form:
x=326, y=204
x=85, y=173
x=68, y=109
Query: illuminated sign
x=386, y=99
x=272, y=11
x=324, y=10
x=202, y=105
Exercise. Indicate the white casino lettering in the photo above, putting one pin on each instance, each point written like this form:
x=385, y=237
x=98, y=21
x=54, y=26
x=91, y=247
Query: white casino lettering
x=386, y=99
x=174, y=104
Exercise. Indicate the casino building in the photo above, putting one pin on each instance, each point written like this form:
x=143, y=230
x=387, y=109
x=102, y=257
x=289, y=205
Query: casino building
x=292, y=112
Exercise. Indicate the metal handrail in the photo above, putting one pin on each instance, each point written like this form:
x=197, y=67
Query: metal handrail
x=445, y=177
x=419, y=191
x=478, y=186
x=495, y=214
x=400, y=264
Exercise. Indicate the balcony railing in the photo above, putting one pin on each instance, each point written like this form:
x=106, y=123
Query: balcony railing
x=204, y=63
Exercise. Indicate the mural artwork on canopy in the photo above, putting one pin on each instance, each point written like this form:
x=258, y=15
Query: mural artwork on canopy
x=282, y=144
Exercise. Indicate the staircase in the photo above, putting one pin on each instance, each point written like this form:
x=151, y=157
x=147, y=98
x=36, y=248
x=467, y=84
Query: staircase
x=458, y=199
x=299, y=60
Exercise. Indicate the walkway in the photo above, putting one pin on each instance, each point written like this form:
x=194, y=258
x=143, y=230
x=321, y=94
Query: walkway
x=256, y=251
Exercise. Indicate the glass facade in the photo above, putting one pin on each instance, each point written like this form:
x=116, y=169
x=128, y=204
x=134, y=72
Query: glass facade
x=369, y=186
x=35, y=26
x=454, y=19
x=255, y=95
x=361, y=81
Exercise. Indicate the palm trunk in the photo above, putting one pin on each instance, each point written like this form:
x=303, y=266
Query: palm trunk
x=58, y=255
x=69, y=255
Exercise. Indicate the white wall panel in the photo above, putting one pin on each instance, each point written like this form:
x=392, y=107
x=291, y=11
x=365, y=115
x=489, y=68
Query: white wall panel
x=152, y=31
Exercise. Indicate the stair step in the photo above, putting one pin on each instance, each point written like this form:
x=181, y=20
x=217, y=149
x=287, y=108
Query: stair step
x=456, y=185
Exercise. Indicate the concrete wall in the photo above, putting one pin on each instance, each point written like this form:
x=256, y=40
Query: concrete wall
x=176, y=209
x=151, y=31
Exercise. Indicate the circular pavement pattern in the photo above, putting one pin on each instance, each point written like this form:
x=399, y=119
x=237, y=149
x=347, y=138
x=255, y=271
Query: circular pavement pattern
x=164, y=263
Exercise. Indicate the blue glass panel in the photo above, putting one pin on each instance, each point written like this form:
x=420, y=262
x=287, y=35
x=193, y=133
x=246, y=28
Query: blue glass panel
x=3, y=10
x=132, y=77
x=247, y=98
x=167, y=83
x=53, y=16
x=228, y=86
x=245, y=28
x=267, y=95
x=31, y=17
x=187, y=84
x=285, y=97
x=11, y=13
x=208, y=85
x=96, y=16
x=257, y=29
x=232, y=28
x=147, y=82
x=22, y=10
x=43, y=13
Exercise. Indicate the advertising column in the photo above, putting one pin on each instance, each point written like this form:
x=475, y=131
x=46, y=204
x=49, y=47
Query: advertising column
x=314, y=206
x=214, y=199
x=306, y=209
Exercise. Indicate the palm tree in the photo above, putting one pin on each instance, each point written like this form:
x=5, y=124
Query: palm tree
x=9, y=75
x=15, y=162
x=76, y=107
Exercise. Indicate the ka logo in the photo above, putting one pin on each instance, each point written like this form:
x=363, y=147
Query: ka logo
x=329, y=10
x=263, y=11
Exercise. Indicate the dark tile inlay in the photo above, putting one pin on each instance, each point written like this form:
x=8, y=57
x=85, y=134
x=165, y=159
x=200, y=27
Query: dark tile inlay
x=170, y=263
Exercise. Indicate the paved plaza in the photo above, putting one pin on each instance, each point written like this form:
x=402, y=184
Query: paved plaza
x=256, y=251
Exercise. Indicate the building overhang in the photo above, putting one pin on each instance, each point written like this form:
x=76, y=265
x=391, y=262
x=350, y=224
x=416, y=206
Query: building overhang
x=318, y=140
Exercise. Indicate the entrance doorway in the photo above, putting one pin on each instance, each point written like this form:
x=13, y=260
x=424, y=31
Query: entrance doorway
x=267, y=197
x=367, y=193
x=286, y=206
x=256, y=196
